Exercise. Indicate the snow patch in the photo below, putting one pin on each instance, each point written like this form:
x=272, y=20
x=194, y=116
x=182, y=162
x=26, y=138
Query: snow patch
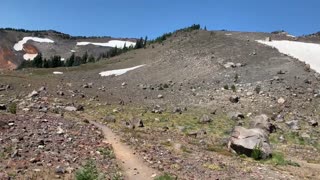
x=29, y=57
x=306, y=52
x=57, y=72
x=19, y=45
x=111, y=43
x=289, y=35
x=119, y=72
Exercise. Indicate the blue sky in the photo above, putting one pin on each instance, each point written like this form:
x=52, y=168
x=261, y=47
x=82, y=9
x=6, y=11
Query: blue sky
x=136, y=18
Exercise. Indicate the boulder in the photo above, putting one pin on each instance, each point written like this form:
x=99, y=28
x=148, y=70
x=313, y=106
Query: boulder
x=160, y=96
x=177, y=110
x=80, y=107
x=313, y=123
x=229, y=65
x=110, y=119
x=205, y=119
x=244, y=141
x=70, y=108
x=3, y=107
x=33, y=94
x=135, y=123
x=235, y=115
x=293, y=124
x=234, y=99
x=263, y=122
x=281, y=100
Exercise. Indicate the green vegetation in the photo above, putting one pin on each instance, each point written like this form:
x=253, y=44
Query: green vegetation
x=233, y=88
x=226, y=87
x=165, y=36
x=107, y=153
x=256, y=153
x=236, y=78
x=278, y=159
x=165, y=176
x=88, y=172
x=13, y=108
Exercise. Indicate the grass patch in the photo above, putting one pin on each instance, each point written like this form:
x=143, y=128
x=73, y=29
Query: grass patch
x=213, y=167
x=13, y=108
x=88, y=172
x=278, y=159
x=219, y=149
x=166, y=176
x=107, y=153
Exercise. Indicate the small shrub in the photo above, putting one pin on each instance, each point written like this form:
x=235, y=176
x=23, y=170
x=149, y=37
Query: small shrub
x=88, y=172
x=226, y=87
x=107, y=152
x=236, y=78
x=257, y=89
x=233, y=87
x=165, y=176
x=117, y=176
x=256, y=153
x=13, y=108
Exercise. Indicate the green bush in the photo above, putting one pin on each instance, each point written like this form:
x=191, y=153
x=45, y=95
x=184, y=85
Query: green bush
x=88, y=172
x=256, y=153
x=236, y=78
x=226, y=87
x=233, y=87
x=107, y=152
x=13, y=108
x=165, y=176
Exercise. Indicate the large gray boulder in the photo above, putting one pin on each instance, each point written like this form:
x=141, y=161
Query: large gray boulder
x=263, y=122
x=244, y=141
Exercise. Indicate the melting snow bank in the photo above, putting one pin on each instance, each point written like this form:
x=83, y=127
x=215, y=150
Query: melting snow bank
x=29, y=56
x=19, y=45
x=119, y=72
x=306, y=52
x=57, y=72
x=112, y=43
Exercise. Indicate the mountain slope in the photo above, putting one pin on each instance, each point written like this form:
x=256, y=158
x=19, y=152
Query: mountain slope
x=19, y=45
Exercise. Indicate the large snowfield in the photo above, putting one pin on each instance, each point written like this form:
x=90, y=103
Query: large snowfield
x=118, y=72
x=306, y=52
x=112, y=43
x=19, y=45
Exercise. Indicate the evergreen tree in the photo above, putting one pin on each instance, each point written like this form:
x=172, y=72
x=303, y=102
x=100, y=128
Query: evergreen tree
x=84, y=58
x=46, y=63
x=145, y=41
x=125, y=48
x=56, y=61
x=139, y=44
x=91, y=59
x=37, y=61
x=77, y=61
x=70, y=60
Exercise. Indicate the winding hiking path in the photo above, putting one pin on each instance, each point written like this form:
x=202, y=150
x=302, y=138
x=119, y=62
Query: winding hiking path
x=133, y=166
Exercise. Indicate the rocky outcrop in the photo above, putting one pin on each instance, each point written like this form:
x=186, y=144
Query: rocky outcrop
x=7, y=59
x=244, y=141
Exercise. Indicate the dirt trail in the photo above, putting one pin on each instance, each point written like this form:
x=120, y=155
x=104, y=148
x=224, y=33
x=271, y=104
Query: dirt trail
x=133, y=166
